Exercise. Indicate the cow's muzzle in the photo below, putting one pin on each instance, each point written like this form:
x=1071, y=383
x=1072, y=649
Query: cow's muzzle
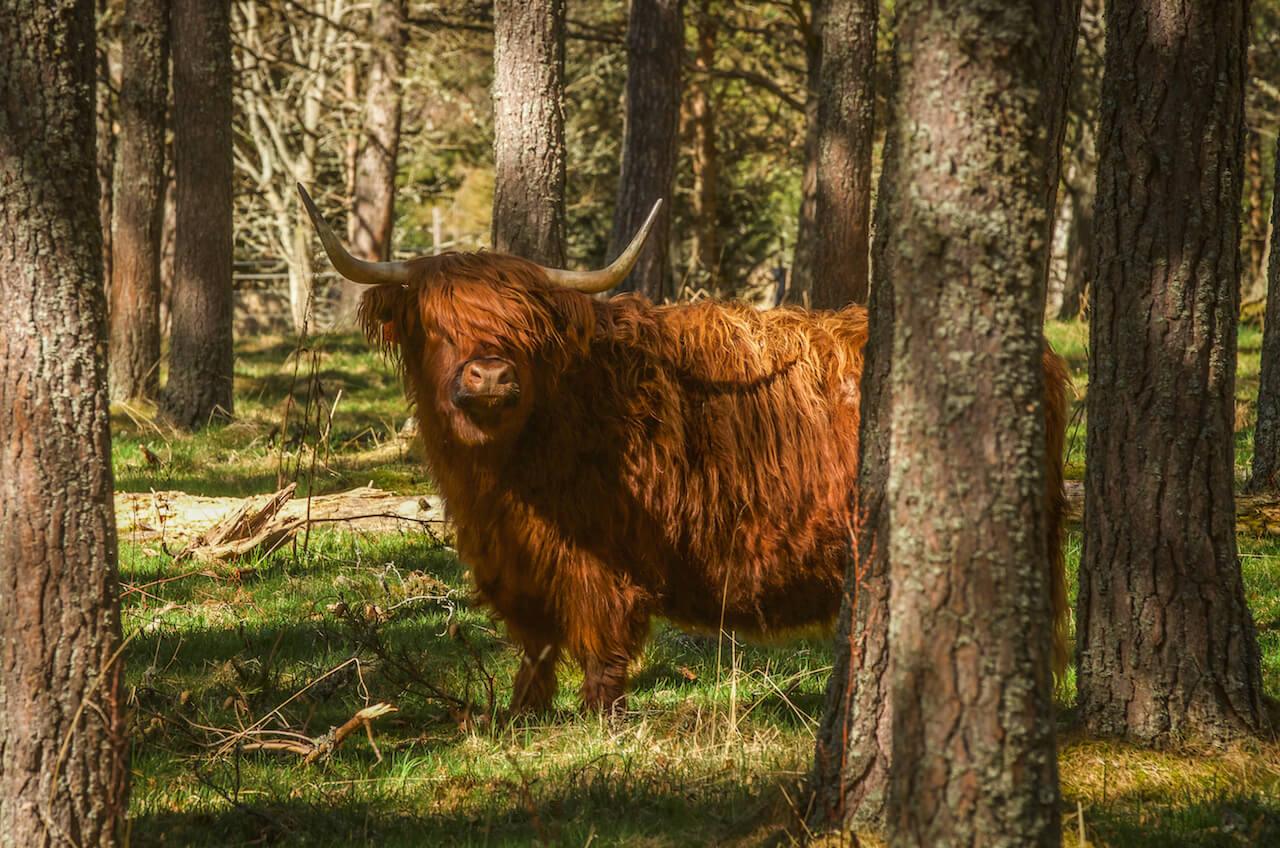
x=486, y=385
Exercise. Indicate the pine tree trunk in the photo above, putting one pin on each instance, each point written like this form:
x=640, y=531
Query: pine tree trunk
x=655, y=52
x=139, y=202
x=706, y=158
x=855, y=742
x=374, y=185
x=1266, y=433
x=1167, y=644
x=528, y=129
x=200, y=357
x=850, y=778
x=973, y=751
x=800, y=280
x=64, y=774
x=1253, y=276
x=106, y=148
x=846, y=132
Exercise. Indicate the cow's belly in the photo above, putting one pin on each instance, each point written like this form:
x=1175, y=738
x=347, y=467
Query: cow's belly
x=767, y=602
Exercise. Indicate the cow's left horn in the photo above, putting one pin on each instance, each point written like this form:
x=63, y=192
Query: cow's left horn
x=356, y=270
x=604, y=279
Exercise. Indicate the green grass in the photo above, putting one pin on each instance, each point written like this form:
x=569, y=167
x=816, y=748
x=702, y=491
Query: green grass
x=719, y=736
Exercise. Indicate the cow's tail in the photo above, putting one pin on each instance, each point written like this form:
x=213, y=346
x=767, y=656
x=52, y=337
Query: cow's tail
x=1057, y=381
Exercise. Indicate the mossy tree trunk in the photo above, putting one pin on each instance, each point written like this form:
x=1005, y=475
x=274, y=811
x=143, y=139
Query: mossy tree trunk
x=1167, y=648
x=528, y=129
x=655, y=52
x=139, y=202
x=856, y=742
x=64, y=775
x=200, y=353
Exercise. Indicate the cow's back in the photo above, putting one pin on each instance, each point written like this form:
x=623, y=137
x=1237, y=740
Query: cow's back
x=751, y=467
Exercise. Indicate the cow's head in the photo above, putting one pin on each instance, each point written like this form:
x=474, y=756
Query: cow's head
x=481, y=336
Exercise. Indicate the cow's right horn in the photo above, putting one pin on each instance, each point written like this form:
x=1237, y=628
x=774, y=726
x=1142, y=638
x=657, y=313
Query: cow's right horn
x=593, y=282
x=355, y=270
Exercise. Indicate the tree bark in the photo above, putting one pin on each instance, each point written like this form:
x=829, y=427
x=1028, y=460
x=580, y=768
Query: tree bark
x=139, y=202
x=64, y=775
x=846, y=133
x=374, y=186
x=1167, y=644
x=800, y=280
x=200, y=358
x=528, y=129
x=1266, y=433
x=973, y=727
x=106, y=148
x=655, y=52
x=855, y=742
x=1253, y=277
x=850, y=778
x=706, y=159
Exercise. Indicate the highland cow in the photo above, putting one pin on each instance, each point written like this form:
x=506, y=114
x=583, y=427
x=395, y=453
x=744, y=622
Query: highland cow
x=605, y=461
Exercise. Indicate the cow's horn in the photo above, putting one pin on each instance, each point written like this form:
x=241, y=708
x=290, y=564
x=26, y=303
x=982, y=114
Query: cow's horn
x=355, y=270
x=604, y=279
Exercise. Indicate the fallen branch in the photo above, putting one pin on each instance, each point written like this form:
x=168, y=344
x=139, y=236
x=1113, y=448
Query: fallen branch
x=323, y=746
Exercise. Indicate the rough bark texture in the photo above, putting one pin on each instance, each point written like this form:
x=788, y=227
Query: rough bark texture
x=850, y=778
x=973, y=727
x=800, y=280
x=139, y=202
x=846, y=106
x=374, y=182
x=200, y=359
x=706, y=159
x=1254, y=236
x=63, y=752
x=1167, y=647
x=528, y=129
x=106, y=149
x=1266, y=433
x=655, y=52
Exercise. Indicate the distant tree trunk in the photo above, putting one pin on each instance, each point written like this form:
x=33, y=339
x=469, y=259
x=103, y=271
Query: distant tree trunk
x=655, y=51
x=706, y=159
x=846, y=132
x=200, y=358
x=1167, y=644
x=374, y=185
x=1079, y=251
x=1253, y=283
x=134, y=353
x=64, y=776
x=850, y=778
x=1266, y=433
x=800, y=280
x=970, y=595
x=528, y=129
x=106, y=147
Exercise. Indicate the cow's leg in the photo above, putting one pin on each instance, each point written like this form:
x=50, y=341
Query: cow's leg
x=535, y=683
x=604, y=642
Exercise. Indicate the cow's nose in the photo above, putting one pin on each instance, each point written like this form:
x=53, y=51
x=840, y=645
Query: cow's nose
x=488, y=377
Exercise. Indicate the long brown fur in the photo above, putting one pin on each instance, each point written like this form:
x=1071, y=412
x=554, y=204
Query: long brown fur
x=694, y=461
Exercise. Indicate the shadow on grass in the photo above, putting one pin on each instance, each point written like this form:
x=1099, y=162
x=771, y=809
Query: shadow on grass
x=595, y=810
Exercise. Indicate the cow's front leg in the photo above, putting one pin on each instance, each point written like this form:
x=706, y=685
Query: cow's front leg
x=604, y=645
x=535, y=685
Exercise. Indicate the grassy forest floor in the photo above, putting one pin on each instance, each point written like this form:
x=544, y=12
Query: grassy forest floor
x=278, y=649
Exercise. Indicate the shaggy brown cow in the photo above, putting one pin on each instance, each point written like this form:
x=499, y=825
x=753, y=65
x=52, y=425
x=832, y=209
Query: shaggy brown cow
x=608, y=460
